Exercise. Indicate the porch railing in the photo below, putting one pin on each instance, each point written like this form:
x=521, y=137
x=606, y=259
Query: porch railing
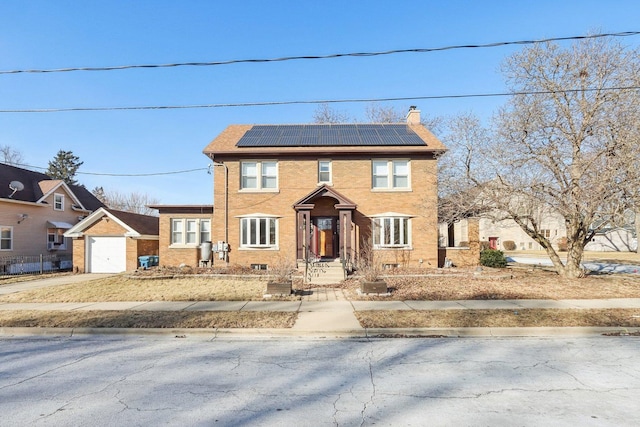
x=34, y=264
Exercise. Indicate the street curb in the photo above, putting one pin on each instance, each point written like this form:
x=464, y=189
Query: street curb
x=256, y=333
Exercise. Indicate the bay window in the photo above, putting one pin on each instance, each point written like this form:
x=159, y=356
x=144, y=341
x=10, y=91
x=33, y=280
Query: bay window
x=258, y=232
x=393, y=232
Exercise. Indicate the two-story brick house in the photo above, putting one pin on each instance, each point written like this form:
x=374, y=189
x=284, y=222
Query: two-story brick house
x=325, y=190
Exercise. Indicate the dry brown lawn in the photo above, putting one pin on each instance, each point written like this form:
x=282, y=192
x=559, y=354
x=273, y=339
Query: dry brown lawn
x=499, y=318
x=125, y=288
x=146, y=319
x=511, y=283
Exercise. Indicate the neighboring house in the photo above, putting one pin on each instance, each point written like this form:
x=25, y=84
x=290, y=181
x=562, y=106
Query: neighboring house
x=35, y=211
x=110, y=241
x=622, y=239
x=183, y=230
x=496, y=232
x=325, y=191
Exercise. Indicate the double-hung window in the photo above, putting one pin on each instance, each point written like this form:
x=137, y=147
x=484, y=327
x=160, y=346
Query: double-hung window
x=58, y=202
x=259, y=175
x=190, y=231
x=324, y=171
x=6, y=238
x=391, y=232
x=258, y=232
x=390, y=174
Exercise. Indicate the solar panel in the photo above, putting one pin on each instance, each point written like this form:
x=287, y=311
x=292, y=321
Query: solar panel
x=329, y=135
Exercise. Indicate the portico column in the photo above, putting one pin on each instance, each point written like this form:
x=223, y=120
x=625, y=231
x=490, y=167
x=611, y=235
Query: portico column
x=303, y=224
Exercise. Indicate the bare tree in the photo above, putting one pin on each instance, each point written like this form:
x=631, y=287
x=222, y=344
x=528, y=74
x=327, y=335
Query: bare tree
x=566, y=142
x=10, y=155
x=467, y=141
x=133, y=202
x=325, y=114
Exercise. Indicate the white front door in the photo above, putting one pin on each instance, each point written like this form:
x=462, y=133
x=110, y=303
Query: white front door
x=106, y=254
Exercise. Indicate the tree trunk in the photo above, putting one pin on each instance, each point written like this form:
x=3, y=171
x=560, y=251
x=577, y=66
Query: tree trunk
x=638, y=231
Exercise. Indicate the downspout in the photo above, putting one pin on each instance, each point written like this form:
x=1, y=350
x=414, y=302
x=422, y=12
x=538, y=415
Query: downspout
x=226, y=205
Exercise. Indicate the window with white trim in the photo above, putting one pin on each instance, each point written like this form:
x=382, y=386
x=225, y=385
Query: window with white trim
x=390, y=174
x=190, y=231
x=58, y=202
x=258, y=232
x=56, y=239
x=259, y=175
x=324, y=171
x=6, y=238
x=391, y=232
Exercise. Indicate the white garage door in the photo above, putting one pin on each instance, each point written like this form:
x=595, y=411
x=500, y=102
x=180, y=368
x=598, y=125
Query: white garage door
x=106, y=255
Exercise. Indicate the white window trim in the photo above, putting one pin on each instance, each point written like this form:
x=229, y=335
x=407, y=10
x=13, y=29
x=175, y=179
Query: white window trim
x=274, y=246
x=330, y=181
x=61, y=201
x=183, y=232
x=259, y=188
x=10, y=239
x=390, y=175
x=392, y=216
x=61, y=246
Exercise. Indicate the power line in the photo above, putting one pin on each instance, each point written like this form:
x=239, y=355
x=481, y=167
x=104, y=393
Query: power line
x=124, y=174
x=310, y=57
x=317, y=101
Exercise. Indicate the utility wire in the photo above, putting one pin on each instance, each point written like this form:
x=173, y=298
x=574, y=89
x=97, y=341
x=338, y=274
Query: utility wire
x=317, y=101
x=330, y=56
x=123, y=174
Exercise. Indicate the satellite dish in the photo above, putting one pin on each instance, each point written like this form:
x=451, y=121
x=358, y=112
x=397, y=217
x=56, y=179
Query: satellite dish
x=15, y=186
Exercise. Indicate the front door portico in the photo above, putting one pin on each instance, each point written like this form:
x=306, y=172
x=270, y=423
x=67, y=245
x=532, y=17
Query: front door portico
x=324, y=222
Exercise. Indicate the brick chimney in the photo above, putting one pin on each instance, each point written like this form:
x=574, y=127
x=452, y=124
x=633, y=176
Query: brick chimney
x=413, y=116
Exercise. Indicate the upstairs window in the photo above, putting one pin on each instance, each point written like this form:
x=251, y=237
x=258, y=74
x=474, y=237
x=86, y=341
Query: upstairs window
x=324, y=171
x=390, y=174
x=58, y=202
x=259, y=175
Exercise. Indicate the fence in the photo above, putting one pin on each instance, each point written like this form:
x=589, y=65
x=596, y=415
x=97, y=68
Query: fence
x=35, y=264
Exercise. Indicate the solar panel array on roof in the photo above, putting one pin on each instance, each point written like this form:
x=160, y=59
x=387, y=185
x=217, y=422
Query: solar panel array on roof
x=329, y=135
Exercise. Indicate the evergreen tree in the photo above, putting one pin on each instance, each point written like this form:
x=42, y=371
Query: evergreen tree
x=64, y=166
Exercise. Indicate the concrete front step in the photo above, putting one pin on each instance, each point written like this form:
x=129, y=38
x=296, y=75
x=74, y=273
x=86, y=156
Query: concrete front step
x=324, y=273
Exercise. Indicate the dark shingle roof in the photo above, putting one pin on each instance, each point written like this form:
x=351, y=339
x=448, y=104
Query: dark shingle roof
x=32, y=191
x=143, y=224
x=328, y=135
x=30, y=179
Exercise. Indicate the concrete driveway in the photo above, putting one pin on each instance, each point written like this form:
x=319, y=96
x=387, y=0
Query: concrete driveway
x=598, y=267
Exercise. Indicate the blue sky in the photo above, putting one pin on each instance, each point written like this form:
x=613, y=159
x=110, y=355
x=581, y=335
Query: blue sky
x=46, y=34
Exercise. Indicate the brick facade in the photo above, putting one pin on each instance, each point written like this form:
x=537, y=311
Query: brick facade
x=176, y=255
x=103, y=223
x=297, y=176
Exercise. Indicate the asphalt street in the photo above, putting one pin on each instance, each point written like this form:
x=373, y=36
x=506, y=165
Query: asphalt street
x=189, y=380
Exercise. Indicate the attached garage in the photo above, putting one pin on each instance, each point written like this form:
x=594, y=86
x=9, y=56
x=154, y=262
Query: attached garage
x=110, y=241
x=106, y=254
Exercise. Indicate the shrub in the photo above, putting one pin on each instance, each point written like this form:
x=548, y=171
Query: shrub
x=493, y=258
x=562, y=244
x=509, y=245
